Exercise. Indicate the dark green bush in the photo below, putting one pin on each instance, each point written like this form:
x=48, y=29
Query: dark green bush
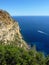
x=13, y=55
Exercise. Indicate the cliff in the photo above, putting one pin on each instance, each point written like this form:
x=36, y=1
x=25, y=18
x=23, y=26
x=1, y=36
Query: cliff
x=10, y=31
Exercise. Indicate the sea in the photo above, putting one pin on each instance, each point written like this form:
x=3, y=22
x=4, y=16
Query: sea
x=35, y=31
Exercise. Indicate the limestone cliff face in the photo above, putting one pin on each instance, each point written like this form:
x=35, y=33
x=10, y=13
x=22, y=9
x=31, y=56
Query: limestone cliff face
x=10, y=31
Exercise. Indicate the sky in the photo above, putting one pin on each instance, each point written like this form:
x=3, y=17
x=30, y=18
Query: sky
x=26, y=7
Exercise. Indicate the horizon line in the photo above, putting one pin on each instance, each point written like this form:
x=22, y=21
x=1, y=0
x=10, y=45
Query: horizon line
x=29, y=15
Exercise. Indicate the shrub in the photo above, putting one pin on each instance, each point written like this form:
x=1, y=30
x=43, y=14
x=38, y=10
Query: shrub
x=13, y=55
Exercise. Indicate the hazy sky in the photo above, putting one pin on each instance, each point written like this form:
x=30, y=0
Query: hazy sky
x=26, y=7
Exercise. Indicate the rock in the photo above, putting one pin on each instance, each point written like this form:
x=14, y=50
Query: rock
x=10, y=31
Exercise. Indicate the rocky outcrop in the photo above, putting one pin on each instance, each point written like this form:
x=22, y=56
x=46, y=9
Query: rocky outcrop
x=10, y=31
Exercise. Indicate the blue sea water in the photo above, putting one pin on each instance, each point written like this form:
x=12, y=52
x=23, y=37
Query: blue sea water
x=35, y=30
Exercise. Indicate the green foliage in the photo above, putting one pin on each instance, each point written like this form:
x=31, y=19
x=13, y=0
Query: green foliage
x=13, y=55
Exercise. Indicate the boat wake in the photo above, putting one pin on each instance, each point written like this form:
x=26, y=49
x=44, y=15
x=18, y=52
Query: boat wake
x=42, y=32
